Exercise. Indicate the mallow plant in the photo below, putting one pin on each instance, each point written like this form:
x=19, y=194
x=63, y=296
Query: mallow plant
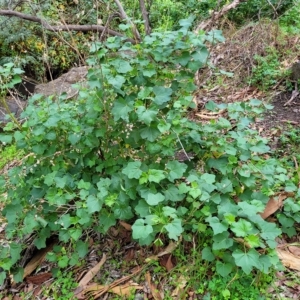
x=125, y=149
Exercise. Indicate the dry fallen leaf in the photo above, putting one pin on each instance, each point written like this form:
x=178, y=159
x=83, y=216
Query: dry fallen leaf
x=294, y=250
x=125, y=289
x=36, y=260
x=274, y=204
x=113, y=231
x=169, y=249
x=38, y=279
x=120, y=290
x=90, y=275
x=28, y=288
x=153, y=288
x=288, y=259
x=166, y=262
x=125, y=225
x=130, y=254
x=97, y=290
x=37, y=291
x=179, y=291
x=125, y=235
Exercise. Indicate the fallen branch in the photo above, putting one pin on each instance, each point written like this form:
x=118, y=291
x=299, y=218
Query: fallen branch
x=125, y=17
x=106, y=25
x=216, y=15
x=294, y=95
x=47, y=26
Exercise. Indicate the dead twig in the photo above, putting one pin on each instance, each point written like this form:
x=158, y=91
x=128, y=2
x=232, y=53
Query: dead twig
x=294, y=95
x=107, y=24
x=125, y=17
x=216, y=15
x=211, y=115
x=290, y=122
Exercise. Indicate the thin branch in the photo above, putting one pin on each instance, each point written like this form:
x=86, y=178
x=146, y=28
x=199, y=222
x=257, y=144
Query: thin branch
x=186, y=155
x=125, y=17
x=216, y=15
x=145, y=15
x=121, y=9
x=47, y=26
x=107, y=24
x=274, y=9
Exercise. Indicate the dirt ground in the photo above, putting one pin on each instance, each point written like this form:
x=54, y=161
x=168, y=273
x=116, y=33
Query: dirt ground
x=281, y=115
x=280, y=119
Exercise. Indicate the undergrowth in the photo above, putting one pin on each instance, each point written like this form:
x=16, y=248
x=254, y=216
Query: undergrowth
x=288, y=151
x=290, y=20
x=201, y=273
x=111, y=155
x=266, y=71
x=289, y=142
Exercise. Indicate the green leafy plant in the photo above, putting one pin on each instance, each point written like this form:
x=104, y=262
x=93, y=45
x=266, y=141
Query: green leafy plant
x=289, y=141
x=290, y=20
x=165, y=14
x=288, y=152
x=266, y=71
x=63, y=286
x=9, y=76
x=111, y=155
x=236, y=287
x=256, y=9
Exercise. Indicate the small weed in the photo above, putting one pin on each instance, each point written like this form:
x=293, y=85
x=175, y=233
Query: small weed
x=289, y=153
x=233, y=287
x=267, y=70
x=62, y=288
x=288, y=149
x=290, y=142
x=290, y=20
x=198, y=271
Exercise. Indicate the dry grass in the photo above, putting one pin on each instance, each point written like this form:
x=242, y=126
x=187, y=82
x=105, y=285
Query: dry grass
x=237, y=56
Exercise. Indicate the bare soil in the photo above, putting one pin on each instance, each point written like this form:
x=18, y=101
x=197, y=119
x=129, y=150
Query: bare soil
x=282, y=115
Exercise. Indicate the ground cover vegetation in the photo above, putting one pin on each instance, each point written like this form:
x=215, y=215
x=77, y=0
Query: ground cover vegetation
x=128, y=149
